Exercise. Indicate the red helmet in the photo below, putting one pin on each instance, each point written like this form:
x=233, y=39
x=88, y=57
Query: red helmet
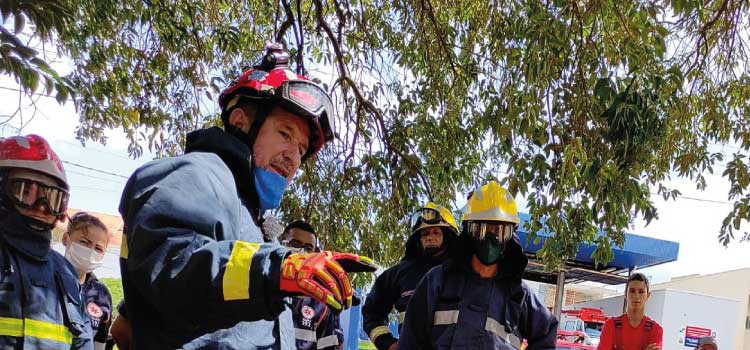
x=273, y=82
x=34, y=153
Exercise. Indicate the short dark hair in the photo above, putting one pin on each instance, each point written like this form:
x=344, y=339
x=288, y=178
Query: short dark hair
x=250, y=108
x=300, y=224
x=638, y=276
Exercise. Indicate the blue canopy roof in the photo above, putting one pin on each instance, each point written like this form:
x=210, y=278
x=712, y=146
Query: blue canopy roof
x=638, y=251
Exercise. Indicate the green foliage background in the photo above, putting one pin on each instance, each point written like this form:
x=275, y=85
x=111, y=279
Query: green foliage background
x=585, y=107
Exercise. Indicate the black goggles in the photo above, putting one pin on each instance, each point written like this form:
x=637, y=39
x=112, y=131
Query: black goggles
x=425, y=215
x=500, y=231
x=29, y=194
x=430, y=216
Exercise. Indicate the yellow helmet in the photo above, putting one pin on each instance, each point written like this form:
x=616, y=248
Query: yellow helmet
x=491, y=202
x=432, y=214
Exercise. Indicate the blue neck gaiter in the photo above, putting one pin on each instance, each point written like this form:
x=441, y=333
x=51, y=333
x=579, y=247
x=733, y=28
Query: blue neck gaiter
x=270, y=187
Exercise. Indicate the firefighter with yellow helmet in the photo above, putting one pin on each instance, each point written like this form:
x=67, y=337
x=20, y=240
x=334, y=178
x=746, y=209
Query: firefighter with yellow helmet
x=477, y=299
x=433, y=232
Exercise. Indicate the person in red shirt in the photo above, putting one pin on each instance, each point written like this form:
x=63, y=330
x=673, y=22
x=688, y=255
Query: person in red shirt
x=633, y=330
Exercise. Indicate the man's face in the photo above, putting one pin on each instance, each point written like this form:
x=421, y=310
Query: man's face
x=281, y=142
x=38, y=212
x=431, y=237
x=299, y=238
x=638, y=294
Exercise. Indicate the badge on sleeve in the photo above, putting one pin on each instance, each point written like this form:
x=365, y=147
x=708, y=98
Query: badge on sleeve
x=308, y=312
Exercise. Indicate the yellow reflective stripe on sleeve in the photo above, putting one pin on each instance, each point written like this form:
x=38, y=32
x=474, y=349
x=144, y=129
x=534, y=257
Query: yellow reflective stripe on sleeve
x=48, y=330
x=15, y=327
x=401, y=317
x=236, y=282
x=124, y=247
x=378, y=331
x=11, y=327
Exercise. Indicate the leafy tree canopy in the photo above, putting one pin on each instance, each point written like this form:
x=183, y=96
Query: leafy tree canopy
x=585, y=107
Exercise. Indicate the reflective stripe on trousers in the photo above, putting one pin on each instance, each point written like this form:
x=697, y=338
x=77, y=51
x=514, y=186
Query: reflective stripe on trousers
x=305, y=335
x=331, y=340
x=308, y=335
x=491, y=325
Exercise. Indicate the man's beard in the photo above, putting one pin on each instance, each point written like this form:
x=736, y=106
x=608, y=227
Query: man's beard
x=433, y=251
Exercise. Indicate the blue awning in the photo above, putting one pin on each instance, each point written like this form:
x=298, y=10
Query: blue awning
x=637, y=252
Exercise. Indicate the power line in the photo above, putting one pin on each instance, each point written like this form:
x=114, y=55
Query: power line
x=96, y=189
x=93, y=177
x=97, y=150
x=93, y=169
x=695, y=199
x=27, y=92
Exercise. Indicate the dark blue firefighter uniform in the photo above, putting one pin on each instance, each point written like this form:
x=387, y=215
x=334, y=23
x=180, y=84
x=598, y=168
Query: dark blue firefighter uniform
x=393, y=289
x=453, y=308
x=98, y=303
x=195, y=271
x=40, y=297
x=316, y=326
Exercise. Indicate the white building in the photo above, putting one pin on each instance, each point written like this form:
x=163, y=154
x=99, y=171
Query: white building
x=733, y=285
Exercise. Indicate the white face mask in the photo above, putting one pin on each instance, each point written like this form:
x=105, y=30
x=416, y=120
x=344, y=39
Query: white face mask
x=83, y=258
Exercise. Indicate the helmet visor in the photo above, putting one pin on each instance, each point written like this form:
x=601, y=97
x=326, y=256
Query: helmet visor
x=431, y=216
x=29, y=194
x=310, y=100
x=500, y=231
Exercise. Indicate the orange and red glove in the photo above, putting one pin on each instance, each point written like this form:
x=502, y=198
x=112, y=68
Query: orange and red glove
x=323, y=276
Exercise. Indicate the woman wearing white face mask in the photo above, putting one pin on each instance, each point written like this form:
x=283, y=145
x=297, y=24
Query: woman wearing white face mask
x=85, y=243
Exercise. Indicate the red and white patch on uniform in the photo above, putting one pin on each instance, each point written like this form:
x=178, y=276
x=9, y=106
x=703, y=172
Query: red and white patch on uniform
x=308, y=312
x=94, y=310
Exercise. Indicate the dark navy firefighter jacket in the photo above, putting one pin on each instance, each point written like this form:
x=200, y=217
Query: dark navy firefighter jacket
x=40, y=294
x=316, y=326
x=453, y=308
x=98, y=303
x=195, y=271
x=393, y=288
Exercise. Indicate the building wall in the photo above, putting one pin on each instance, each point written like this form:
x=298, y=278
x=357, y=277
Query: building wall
x=573, y=293
x=731, y=285
x=674, y=310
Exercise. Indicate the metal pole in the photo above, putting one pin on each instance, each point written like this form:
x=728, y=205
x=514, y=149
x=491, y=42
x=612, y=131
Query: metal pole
x=560, y=290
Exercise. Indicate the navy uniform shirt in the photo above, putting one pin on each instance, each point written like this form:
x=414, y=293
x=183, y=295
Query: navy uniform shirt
x=98, y=303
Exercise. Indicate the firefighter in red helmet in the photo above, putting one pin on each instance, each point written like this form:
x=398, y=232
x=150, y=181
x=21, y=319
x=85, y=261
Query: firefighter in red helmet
x=196, y=273
x=41, y=304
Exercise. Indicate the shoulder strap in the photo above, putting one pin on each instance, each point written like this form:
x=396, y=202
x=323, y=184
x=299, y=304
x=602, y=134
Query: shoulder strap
x=647, y=331
x=619, y=345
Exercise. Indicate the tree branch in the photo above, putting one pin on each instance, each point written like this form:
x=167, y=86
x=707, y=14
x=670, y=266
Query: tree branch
x=361, y=100
x=288, y=22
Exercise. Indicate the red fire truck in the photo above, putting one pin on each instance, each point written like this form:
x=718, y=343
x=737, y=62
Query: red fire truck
x=587, y=322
